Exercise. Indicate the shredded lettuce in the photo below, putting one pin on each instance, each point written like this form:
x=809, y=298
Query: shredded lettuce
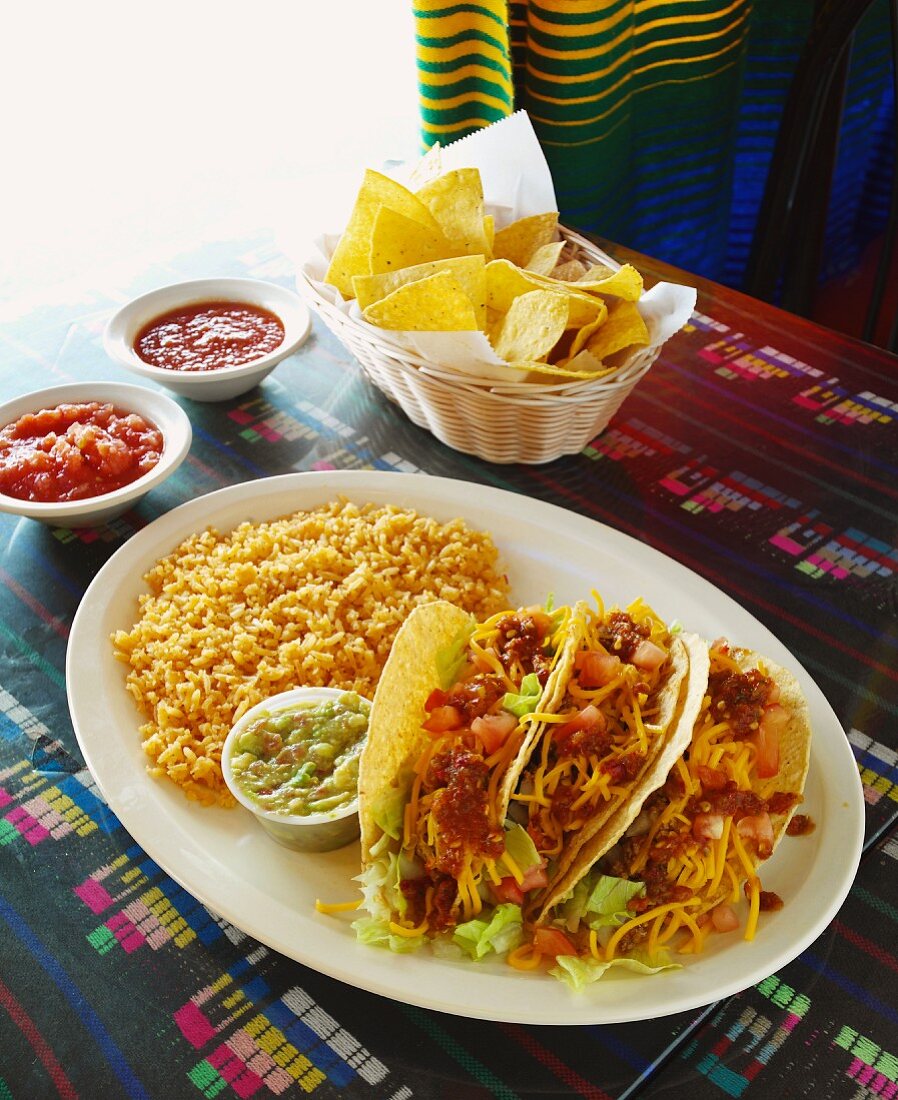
x=579, y=973
x=388, y=814
x=381, y=895
x=520, y=848
x=450, y=658
x=600, y=901
x=502, y=932
x=527, y=699
x=377, y=933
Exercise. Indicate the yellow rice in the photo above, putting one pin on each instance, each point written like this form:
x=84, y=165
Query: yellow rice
x=314, y=598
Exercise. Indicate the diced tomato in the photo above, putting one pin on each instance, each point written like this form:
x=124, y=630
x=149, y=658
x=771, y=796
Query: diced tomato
x=444, y=718
x=437, y=698
x=493, y=729
x=712, y=778
x=707, y=826
x=541, y=620
x=758, y=828
x=588, y=718
x=552, y=942
x=724, y=918
x=535, y=877
x=648, y=656
x=508, y=890
x=596, y=668
x=766, y=740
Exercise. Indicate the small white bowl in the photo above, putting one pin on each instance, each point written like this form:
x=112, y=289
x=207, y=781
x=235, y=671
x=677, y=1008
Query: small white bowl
x=306, y=833
x=207, y=385
x=156, y=407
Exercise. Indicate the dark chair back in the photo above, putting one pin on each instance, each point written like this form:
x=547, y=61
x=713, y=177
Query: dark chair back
x=787, y=248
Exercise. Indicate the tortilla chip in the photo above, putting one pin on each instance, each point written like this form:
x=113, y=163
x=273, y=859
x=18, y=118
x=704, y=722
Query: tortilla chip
x=505, y=282
x=585, y=363
x=586, y=332
x=531, y=327
x=623, y=328
x=489, y=233
x=398, y=241
x=428, y=168
x=468, y=271
x=352, y=254
x=547, y=372
x=455, y=200
x=626, y=283
x=545, y=259
x=437, y=303
x=569, y=272
x=517, y=242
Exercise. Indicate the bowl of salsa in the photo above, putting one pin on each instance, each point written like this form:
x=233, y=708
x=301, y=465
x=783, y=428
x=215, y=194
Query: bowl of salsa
x=293, y=762
x=79, y=455
x=208, y=339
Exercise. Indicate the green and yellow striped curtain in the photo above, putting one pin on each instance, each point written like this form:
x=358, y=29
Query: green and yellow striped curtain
x=657, y=117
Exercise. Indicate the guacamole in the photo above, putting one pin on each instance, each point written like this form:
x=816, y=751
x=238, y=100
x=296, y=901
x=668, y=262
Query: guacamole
x=304, y=759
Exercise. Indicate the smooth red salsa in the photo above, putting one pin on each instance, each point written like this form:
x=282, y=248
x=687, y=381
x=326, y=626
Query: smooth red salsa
x=209, y=336
x=75, y=451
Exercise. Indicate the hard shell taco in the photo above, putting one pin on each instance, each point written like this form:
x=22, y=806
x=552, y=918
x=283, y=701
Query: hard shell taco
x=448, y=843
x=622, y=712
x=451, y=712
x=695, y=834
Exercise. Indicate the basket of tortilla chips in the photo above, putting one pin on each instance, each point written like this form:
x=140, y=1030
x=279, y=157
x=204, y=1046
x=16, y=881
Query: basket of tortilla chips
x=510, y=338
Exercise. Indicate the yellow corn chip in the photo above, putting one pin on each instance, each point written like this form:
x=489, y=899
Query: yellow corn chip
x=545, y=259
x=468, y=271
x=398, y=241
x=546, y=373
x=456, y=201
x=427, y=168
x=625, y=283
x=583, y=335
x=489, y=233
x=437, y=303
x=585, y=363
x=569, y=272
x=353, y=252
x=624, y=328
x=531, y=327
x=505, y=282
x=517, y=242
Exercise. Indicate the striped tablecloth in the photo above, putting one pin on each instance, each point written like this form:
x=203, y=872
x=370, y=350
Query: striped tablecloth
x=761, y=452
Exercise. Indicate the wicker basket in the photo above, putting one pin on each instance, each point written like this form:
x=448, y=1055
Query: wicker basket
x=508, y=422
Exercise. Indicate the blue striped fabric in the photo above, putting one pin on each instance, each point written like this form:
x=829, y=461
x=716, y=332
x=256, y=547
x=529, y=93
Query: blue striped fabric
x=658, y=117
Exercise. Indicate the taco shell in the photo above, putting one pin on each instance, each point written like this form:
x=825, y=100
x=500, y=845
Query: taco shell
x=395, y=736
x=679, y=707
x=794, y=759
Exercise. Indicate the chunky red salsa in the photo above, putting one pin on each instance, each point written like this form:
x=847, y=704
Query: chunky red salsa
x=75, y=451
x=209, y=336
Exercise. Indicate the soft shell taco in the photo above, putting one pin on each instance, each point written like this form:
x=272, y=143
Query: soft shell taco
x=449, y=717
x=695, y=834
x=460, y=710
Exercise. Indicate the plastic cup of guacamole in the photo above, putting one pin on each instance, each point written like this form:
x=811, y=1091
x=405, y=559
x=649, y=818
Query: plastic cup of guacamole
x=293, y=762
